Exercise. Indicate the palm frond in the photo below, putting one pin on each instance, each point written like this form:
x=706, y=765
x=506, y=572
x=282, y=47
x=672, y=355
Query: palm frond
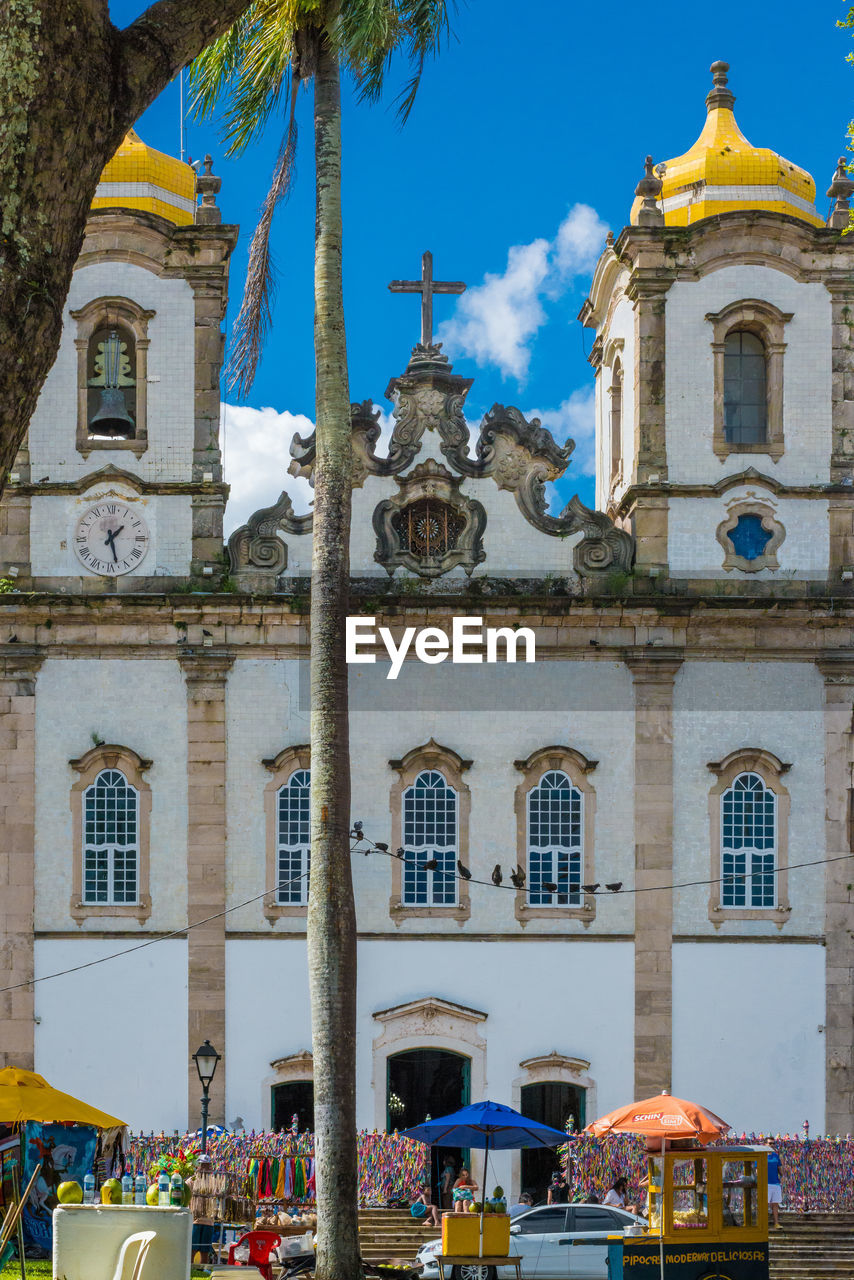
x=253, y=322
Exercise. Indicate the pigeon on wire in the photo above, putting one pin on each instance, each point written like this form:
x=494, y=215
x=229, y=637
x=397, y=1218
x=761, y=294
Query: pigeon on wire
x=549, y=886
x=518, y=878
x=590, y=888
x=381, y=845
x=430, y=865
x=497, y=877
x=463, y=870
x=615, y=887
x=398, y=853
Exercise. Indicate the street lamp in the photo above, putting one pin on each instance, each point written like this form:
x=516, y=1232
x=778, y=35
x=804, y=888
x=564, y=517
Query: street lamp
x=206, y=1058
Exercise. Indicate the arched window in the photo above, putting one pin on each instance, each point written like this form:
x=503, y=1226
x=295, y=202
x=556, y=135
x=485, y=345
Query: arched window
x=749, y=350
x=430, y=804
x=749, y=828
x=745, y=398
x=293, y=840
x=111, y=382
x=555, y=842
x=616, y=398
x=430, y=842
x=111, y=832
x=748, y=843
x=555, y=822
x=110, y=841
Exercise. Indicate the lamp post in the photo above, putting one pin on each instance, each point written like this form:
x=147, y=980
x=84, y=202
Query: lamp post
x=206, y=1058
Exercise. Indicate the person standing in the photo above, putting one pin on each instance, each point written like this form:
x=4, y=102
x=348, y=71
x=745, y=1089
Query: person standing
x=446, y=1184
x=775, y=1190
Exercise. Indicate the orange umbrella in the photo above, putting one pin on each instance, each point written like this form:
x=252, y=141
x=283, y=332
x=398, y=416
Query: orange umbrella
x=662, y=1117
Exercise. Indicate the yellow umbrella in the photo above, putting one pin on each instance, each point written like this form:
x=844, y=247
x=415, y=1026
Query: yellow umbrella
x=27, y=1096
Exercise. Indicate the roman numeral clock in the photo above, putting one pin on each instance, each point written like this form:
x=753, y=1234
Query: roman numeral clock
x=111, y=539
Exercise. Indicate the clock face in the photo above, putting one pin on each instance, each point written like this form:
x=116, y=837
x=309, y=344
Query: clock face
x=111, y=538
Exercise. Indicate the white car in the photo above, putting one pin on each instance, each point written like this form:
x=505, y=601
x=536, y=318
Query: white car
x=555, y=1242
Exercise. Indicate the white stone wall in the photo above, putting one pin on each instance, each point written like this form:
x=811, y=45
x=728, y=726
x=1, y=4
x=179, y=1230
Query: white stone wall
x=171, y=373
x=137, y=704
x=53, y=519
x=487, y=714
x=720, y=707
x=690, y=379
x=536, y=994
x=115, y=1034
x=748, y=1032
x=695, y=552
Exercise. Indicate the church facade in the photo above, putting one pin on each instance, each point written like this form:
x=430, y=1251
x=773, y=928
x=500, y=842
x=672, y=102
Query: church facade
x=669, y=782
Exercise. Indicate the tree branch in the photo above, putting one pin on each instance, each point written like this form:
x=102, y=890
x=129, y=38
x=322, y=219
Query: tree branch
x=154, y=48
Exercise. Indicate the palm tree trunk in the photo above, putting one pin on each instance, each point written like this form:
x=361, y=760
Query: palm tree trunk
x=331, y=909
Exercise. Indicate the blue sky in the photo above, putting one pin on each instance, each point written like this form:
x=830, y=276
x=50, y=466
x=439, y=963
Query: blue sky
x=524, y=147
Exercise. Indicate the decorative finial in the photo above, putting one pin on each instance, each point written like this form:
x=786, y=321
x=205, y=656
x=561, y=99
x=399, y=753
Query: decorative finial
x=719, y=95
x=840, y=191
x=649, y=189
x=207, y=186
x=609, y=240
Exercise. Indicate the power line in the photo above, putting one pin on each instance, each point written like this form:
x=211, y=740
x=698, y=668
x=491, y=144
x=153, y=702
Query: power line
x=598, y=891
x=383, y=849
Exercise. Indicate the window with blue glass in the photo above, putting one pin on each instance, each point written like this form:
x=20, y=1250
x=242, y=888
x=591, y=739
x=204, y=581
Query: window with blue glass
x=555, y=842
x=748, y=843
x=749, y=539
x=293, y=839
x=745, y=395
x=110, y=840
x=430, y=829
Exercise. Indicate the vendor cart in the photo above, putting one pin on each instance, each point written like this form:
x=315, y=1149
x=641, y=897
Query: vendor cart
x=708, y=1218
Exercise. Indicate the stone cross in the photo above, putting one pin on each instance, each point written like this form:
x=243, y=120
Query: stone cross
x=427, y=286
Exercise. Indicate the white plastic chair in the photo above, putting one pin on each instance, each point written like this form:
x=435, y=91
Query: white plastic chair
x=133, y=1253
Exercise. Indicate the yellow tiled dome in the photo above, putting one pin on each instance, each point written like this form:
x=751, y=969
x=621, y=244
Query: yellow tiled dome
x=138, y=177
x=723, y=173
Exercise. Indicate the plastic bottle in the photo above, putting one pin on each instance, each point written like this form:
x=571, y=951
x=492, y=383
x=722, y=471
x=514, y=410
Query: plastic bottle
x=176, y=1193
x=139, y=1189
x=163, y=1190
x=89, y=1188
x=127, y=1188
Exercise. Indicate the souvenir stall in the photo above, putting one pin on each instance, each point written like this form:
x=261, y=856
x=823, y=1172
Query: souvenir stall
x=55, y=1137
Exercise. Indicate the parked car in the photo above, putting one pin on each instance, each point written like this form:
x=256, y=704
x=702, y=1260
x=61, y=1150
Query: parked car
x=556, y=1242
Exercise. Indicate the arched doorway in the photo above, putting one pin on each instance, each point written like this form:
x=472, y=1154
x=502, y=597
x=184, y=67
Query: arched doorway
x=422, y=1083
x=552, y=1103
x=293, y=1098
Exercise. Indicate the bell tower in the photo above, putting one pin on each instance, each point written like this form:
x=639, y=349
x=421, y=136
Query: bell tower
x=722, y=353
x=119, y=485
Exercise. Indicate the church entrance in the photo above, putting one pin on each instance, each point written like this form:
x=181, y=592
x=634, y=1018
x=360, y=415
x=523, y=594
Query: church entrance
x=552, y=1103
x=295, y=1098
x=422, y=1083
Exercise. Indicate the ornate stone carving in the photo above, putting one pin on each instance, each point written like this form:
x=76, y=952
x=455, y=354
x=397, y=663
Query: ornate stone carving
x=429, y=496
x=256, y=546
x=519, y=454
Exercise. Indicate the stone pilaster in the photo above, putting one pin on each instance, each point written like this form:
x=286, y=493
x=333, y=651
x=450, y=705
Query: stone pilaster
x=206, y=675
x=17, y=853
x=649, y=468
x=653, y=672
x=842, y=377
x=838, y=672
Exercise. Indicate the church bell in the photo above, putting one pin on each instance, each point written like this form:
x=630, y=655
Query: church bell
x=111, y=418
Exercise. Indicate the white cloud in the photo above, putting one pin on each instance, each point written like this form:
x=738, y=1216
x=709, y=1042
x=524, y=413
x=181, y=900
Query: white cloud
x=256, y=459
x=496, y=321
x=256, y=456
x=575, y=418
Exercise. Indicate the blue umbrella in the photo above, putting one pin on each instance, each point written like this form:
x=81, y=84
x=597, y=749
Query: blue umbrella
x=489, y=1125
